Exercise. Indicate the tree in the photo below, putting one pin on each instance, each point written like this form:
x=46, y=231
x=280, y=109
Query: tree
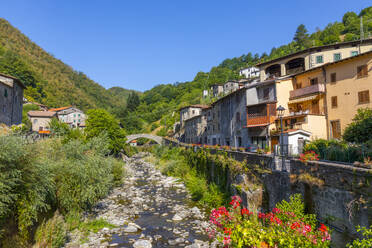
x=133, y=101
x=101, y=122
x=360, y=130
x=301, y=37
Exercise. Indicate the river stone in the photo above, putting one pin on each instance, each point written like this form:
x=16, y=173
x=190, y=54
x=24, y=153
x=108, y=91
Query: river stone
x=142, y=244
x=130, y=229
x=176, y=217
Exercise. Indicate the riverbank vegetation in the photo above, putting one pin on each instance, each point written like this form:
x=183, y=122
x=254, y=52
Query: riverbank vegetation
x=47, y=184
x=174, y=162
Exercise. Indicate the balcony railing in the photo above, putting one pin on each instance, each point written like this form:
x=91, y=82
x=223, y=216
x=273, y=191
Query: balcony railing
x=259, y=120
x=316, y=88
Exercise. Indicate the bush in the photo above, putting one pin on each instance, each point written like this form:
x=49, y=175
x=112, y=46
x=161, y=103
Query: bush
x=360, y=130
x=69, y=177
x=335, y=150
x=52, y=233
x=366, y=241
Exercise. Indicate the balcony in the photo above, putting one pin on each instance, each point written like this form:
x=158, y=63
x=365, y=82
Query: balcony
x=316, y=88
x=259, y=120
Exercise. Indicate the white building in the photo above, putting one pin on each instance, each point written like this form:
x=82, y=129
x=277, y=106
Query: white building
x=71, y=115
x=250, y=72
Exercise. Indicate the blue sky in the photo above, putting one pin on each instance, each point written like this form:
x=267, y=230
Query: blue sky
x=139, y=44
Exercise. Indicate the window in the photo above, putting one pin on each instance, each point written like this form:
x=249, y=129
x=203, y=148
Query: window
x=354, y=53
x=193, y=112
x=334, y=101
x=298, y=86
x=74, y=120
x=363, y=96
x=313, y=81
x=336, y=56
x=362, y=71
x=79, y=115
x=266, y=93
x=319, y=59
x=333, y=77
x=5, y=92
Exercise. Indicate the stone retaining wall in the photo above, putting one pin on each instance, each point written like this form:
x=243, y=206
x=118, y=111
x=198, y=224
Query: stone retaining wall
x=340, y=195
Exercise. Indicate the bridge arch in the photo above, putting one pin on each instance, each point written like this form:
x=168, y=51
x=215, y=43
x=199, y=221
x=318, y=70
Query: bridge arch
x=155, y=138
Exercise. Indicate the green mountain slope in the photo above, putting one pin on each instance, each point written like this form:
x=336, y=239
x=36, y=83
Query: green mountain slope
x=48, y=79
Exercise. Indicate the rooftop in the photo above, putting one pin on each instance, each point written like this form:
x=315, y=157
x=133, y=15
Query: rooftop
x=355, y=42
x=59, y=109
x=36, y=113
x=201, y=106
x=14, y=78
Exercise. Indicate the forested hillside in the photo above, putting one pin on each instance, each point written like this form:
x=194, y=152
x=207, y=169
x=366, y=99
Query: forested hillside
x=54, y=83
x=48, y=79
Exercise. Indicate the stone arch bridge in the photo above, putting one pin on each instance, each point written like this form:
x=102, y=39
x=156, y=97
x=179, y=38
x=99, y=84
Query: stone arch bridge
x=155, y=138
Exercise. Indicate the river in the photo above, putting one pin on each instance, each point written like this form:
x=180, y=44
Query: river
x=149, y=210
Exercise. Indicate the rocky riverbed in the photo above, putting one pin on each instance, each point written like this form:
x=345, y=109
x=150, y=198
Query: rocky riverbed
x=149, y=210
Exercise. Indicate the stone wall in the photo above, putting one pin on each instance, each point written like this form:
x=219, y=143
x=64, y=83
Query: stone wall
x=340, y=195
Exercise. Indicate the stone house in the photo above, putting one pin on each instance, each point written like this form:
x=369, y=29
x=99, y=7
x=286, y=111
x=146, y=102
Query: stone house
x=232, y=119
x=11, y=100
x=217, y=90
x=311, y=58
x=190, y=111
x=40, y=120
x=195, y=129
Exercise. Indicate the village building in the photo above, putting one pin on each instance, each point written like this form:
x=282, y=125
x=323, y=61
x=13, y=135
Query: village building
x=349, y=88
x=217, y=90
x=11, y=100
x=231, y=86
x=195, y=129
x=213, y=125
x=311, y=57
x=250, y=72
x=40, y=120
x=189, y=112
x=74, y=117
x=231, y=119
x=133, y=143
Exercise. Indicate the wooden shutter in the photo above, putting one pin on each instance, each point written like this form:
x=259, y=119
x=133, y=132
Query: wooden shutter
x=363, y=96
x=334, y=101
x=333, y=77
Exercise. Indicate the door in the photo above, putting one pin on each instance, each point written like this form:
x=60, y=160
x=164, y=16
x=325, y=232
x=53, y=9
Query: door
x=336, y=129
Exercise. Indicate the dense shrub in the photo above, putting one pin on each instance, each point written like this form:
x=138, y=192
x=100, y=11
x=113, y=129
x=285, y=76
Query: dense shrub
x=39, y=178
x=335, y=150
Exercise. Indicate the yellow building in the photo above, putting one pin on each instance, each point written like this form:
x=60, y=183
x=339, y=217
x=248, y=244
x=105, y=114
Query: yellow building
x=349, y=85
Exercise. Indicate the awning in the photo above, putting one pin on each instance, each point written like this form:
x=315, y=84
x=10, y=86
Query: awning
x=258, y=125
x=303, y=99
